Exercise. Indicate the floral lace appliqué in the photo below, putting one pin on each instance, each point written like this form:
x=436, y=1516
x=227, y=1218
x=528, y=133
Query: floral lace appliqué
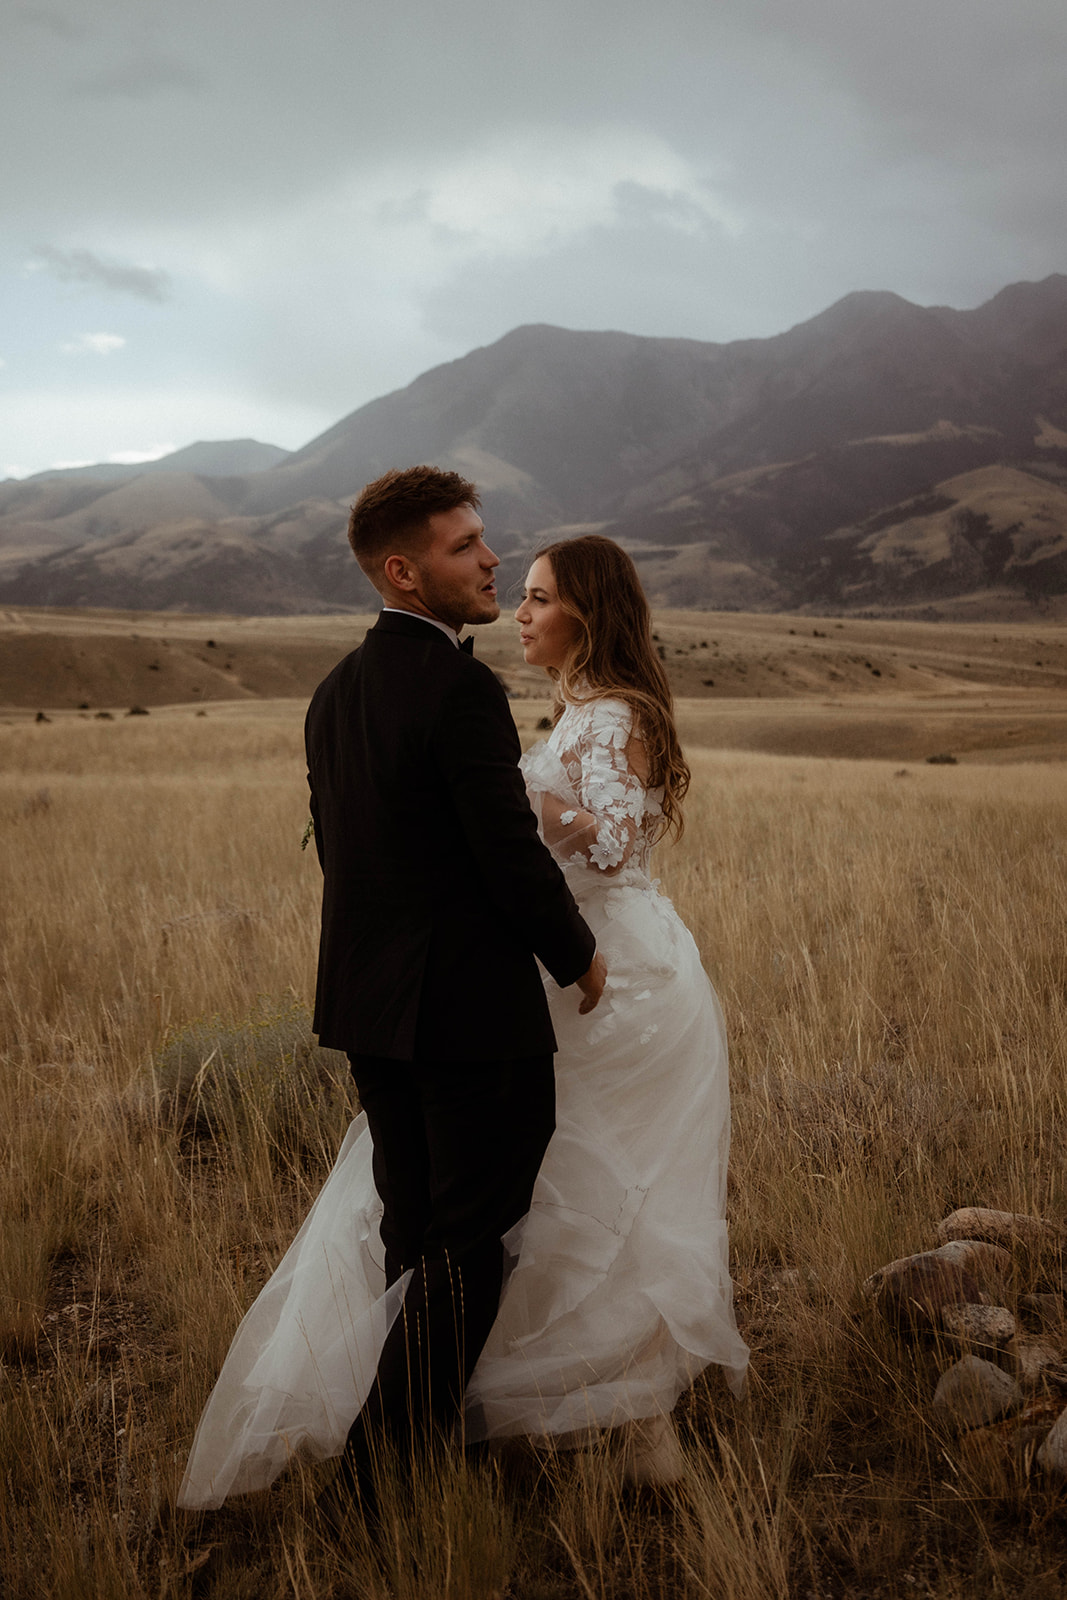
x=596, y=745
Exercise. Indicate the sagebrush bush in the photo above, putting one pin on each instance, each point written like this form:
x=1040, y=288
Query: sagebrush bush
x=264, y=1075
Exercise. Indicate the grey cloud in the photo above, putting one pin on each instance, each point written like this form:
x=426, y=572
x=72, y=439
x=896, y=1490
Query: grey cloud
x=82, y=266
x=46, y=20
x=139, y=77
x=414, y=207
x=807, y=96
x=638, y=206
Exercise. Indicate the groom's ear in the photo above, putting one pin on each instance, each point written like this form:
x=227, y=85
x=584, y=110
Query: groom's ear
x=399, y=572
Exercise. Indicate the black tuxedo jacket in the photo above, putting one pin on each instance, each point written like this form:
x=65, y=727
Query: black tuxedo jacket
x=437, y=891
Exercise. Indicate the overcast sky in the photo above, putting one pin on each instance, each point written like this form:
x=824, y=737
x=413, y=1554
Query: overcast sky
x=239, y=218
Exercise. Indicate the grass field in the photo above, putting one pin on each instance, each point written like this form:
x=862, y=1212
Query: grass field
x=888, y=941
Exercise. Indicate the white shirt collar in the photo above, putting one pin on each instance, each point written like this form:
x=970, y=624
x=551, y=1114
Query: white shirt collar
x=399, y=611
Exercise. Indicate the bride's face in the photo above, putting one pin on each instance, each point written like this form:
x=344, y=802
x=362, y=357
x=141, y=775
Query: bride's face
x=547, y=633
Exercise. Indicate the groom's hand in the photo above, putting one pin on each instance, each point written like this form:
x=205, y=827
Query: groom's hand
x=591, y=984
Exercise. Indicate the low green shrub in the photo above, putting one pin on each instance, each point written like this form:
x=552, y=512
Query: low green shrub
x=227, y=1081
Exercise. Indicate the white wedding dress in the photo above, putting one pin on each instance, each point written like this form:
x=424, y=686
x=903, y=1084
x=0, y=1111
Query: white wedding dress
x=619, y=1293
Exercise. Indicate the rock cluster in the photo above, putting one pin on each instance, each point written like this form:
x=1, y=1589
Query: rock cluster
x=1004, y=1391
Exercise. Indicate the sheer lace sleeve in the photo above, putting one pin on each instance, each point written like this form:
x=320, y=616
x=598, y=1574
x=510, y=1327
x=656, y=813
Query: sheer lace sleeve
x=593, y=803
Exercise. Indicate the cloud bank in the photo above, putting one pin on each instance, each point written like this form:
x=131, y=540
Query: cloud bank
x=301, y=210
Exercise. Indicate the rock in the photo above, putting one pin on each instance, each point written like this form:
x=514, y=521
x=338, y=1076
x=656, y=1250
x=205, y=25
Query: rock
x=1032, y=1423
x=80, y=1069
x=1031, y=1358
x=973, y=1392
x=1052, y=1455
x=1047, y=1311
x=989, y=1326
x=999, y=1455
x=913, y=1290
x=1004, y=1228
x=989, y=1263
x=942, y=759
x=794, y=1278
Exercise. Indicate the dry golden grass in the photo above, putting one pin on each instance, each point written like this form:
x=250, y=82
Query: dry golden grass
x=890, y=954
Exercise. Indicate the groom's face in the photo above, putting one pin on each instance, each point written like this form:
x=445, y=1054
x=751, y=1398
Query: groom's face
x=454, y=571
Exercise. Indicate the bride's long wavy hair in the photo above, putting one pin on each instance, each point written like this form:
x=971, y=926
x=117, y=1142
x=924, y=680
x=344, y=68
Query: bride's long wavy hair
x=598, y=585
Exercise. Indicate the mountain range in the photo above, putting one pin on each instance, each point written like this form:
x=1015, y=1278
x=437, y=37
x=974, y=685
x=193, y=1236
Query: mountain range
x=881, y=456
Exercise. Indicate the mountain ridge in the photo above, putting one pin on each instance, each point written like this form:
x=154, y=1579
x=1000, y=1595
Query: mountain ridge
x=750, y=469
x=209, y=457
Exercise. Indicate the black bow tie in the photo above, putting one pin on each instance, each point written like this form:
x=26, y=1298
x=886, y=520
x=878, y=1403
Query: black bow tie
x=467, y=645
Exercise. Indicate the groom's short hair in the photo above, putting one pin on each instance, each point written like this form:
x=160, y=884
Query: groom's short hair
x=393, y=511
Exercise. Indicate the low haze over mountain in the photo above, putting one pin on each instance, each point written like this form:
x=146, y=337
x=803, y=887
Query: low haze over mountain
x=880, y=455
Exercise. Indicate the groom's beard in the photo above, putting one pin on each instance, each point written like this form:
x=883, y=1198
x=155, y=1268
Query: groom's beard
x=460, y=604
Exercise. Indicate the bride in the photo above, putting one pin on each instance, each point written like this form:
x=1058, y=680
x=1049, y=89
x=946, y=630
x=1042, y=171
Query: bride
x=619, y=1293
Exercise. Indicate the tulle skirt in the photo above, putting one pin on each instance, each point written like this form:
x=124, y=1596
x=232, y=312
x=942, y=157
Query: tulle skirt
x=619, y=1293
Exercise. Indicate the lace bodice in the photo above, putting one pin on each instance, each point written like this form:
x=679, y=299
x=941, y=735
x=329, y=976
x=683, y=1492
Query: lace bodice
x=587, y=785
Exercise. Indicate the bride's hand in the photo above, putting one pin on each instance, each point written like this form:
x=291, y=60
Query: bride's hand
x=591, y=984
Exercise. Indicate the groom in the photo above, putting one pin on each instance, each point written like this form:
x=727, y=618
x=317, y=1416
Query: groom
x=437, y=897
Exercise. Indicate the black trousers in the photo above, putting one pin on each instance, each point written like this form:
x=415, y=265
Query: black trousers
x=457, y=1147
